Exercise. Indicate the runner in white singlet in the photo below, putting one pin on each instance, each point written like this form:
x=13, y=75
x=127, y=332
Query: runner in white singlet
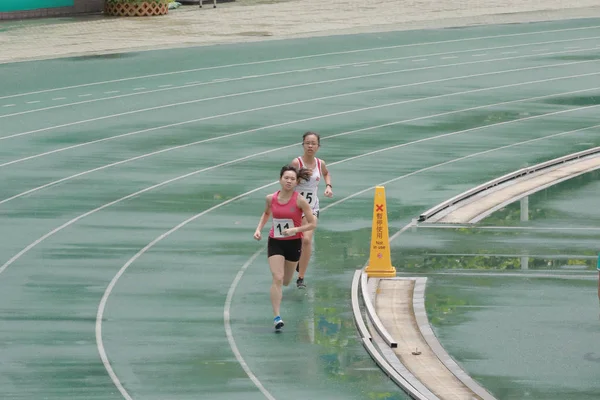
x=311, y=142
x=310, y=189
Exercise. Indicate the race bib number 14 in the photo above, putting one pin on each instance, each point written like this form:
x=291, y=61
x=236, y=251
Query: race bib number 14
x=280, y=225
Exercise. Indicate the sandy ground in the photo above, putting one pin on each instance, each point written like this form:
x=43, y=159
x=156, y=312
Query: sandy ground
x=252, y=20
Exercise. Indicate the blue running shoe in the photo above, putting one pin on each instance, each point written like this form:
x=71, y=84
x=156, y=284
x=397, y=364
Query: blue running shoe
x=278, y=322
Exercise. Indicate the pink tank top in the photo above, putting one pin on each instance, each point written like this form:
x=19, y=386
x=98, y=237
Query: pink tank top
x=285, y=216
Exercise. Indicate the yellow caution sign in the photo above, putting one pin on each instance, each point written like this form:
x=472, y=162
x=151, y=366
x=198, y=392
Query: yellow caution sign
x=380, y=262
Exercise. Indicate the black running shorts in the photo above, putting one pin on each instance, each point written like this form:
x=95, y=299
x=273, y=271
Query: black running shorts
x=289, y=249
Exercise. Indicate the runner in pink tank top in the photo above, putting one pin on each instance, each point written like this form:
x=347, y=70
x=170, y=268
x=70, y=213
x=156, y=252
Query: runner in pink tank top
x=285, y=216
x=285, y=238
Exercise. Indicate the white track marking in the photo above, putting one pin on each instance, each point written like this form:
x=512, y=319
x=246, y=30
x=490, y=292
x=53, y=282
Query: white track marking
x=304, y=57
x=303, y=70
x=229, y=331
x=231, y=291
x=331, y=136
x=460, y=159
x=72, y=221
x=104, y=358
x=273, y=106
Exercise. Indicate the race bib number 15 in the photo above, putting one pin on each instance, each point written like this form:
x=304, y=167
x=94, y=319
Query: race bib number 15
x=308, y=196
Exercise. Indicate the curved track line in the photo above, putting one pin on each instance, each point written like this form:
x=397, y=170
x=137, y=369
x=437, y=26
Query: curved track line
x=305, y=101
x=460, y=159
x=105, y=362
x=113, y=282
x=315, y=83
x=177, y=178
x=231, y=291
x=229, y=331
x=300, y=58
x=328, y=137
x=271, y=74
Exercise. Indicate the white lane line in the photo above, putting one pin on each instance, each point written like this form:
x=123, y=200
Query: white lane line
x=27, y=192
x=302, y=85
x=298, y=102
x=419, y=59
x=33, y=102
x=139, y=88
x=448, y=57
x=9, y=105
x=102, y=352
x=231, y=292
x=72, y=221
x=59, y=98
x=229, y=331
x=84, y=95
x=295, y=71
x=307, y=57
x=464, y=158
x=112, y=91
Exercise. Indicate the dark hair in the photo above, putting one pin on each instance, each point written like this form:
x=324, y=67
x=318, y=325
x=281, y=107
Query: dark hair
x=302, y=174
x=309, y=133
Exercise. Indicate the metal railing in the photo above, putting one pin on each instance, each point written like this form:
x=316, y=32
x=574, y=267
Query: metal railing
x=503, y=179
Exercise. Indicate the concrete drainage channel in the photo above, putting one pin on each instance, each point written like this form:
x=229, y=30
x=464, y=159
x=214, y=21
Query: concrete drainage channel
x=390, y=314
x=398, y=337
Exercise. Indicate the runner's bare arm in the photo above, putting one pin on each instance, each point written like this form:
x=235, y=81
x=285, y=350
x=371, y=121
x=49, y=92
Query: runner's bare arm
x=310, y=218
x=264, y=217
x=327, y=178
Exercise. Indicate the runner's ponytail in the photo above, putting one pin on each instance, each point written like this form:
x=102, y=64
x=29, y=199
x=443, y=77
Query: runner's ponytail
x=304, y=174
